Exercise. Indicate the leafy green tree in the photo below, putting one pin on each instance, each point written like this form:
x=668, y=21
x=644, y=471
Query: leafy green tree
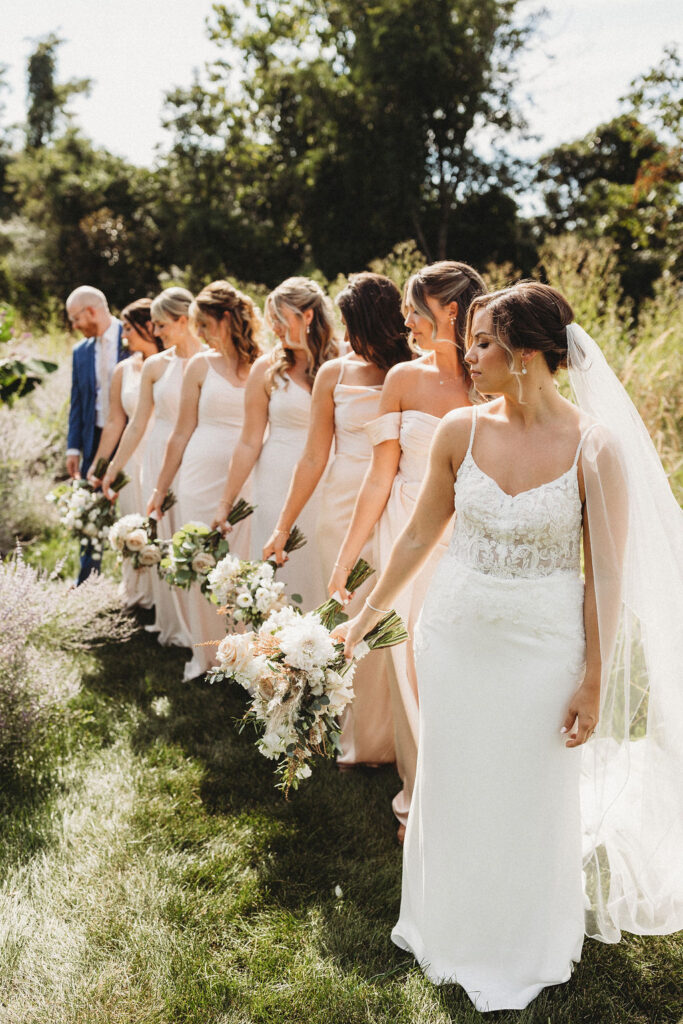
x=623, y=180
x=47, y=99
x=347, y=127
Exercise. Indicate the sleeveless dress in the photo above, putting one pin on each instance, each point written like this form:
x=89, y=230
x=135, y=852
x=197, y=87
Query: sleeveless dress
x=367, y=728
x=414, y=430
x=136, y=586
x=201, y=478
x=169, y=620
x=289, y=413
x=492, y=893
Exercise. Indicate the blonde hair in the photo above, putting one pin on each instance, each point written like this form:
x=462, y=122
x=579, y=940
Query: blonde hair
x=225, y=303
x=446, y=281
x=171, y=304
x=299, y=294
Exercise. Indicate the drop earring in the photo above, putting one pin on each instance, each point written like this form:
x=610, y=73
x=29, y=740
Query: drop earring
x=523, y=367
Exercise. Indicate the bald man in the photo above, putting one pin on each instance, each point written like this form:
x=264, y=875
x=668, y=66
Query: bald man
x=94, y=360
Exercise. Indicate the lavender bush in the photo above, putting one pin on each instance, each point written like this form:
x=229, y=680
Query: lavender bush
x=43, y=624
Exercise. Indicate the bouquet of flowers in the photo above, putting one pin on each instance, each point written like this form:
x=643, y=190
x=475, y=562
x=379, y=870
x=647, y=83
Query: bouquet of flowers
x=195, y=549
x=134, y=537
x=247, y=591
x=299, y=683
x=85, y=510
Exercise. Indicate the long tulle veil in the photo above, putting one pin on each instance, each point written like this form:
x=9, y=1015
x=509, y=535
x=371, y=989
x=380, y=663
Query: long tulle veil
x=632, y=769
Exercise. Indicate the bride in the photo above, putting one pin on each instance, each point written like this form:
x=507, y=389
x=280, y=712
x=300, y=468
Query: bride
x=520, y=839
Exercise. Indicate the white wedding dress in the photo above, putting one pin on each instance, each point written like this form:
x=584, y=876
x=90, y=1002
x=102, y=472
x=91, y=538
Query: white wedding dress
x=492, y=892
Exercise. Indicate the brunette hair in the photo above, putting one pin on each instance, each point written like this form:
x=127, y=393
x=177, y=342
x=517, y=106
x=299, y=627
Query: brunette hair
x=299, y=294
x=139, y=315
x=528, y=315
x=371, y=307
x=224, y=302
x=171, y=304
x=446, y=281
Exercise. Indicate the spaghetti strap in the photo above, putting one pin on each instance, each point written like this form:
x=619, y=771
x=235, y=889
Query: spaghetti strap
x=474, y=425
x=581, y=440
x=342, y=365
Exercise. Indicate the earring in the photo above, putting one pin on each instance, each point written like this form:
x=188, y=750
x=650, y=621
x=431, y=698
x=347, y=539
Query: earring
x=308, y=329
x=523, y=367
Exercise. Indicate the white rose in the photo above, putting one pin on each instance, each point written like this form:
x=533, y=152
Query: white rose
x=203, y=562
x=149, y=555
x=78, y=523
x=90, y=530
x=244, y=600
x=136, y=540
x=234, y=653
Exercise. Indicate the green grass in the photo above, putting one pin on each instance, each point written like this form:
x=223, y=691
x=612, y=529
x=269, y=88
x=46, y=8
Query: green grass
x=164, y=879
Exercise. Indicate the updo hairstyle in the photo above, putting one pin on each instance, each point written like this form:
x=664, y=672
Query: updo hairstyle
x=528, y=315
x=139, y=315
x=446, y=281
x=299, y=294
x=225, y=303
x=171, y=304
x=371, y=307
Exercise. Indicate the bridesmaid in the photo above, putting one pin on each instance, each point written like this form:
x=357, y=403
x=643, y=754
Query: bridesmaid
x=346, y=396
x=414, y=398
x=138, y=334
x=160, y=385
x=278, y=398
x=206, y=432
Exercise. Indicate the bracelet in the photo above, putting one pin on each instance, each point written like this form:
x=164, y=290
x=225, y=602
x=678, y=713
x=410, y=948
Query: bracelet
x=338, y=565
x=380, y=611
x=282, y=531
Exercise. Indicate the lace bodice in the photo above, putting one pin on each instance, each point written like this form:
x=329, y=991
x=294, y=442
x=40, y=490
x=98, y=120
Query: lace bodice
x=534, y=533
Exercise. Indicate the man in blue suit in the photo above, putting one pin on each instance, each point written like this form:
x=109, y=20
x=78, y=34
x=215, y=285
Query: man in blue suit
x=94, y=360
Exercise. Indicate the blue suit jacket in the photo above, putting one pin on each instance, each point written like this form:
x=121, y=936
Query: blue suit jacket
x=82, y=416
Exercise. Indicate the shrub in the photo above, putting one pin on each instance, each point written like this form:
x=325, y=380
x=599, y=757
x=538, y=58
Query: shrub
x=43, y=623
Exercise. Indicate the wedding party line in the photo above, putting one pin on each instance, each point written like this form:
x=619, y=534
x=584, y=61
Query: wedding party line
x=409, y=548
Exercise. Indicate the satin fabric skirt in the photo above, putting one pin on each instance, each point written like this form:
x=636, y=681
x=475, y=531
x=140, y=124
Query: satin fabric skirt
x=492, y=894
x=367, y=726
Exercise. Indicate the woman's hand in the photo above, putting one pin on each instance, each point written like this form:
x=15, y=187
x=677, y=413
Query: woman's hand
x=582, y=714
x=219, y=521
x=337, y=583
x=154, y=504
x=106, y=481
x=274, y=548
x=352, y=632
x=90, y=476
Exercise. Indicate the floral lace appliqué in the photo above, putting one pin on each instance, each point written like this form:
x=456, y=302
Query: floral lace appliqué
x=534, y=533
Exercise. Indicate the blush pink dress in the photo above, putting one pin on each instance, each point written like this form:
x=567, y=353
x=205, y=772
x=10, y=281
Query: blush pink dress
x=136, y=585
x=414, y=430
x=367, y=728
x=201, y=479
x=170, y=621
x=289, y=413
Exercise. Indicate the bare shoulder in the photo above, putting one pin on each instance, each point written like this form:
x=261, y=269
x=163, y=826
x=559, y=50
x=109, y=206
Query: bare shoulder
x=197, y=366
x=155, y=366
x=401, y=378
x=259, y=369
x=452, y=436
x=328, y=375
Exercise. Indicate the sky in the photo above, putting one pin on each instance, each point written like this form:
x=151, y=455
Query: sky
x=581, y=61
